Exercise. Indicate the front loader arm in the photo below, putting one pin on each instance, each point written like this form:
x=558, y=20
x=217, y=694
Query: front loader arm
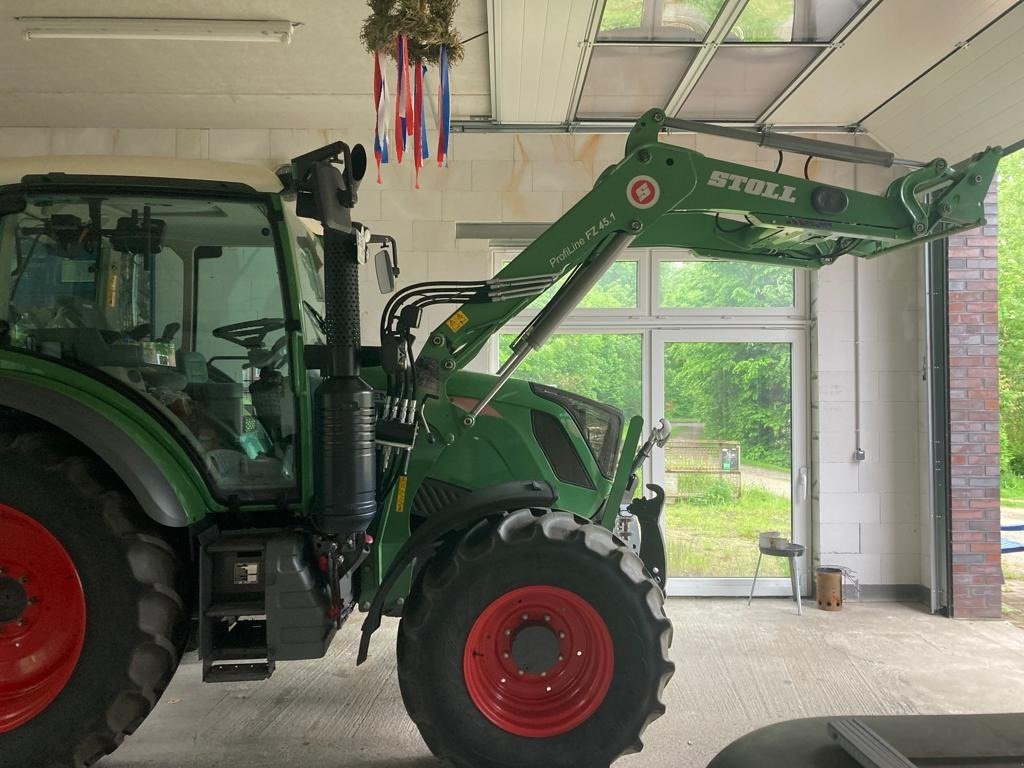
x=661, y=195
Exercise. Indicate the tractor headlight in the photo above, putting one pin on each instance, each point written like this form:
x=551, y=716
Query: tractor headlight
x=600, y=424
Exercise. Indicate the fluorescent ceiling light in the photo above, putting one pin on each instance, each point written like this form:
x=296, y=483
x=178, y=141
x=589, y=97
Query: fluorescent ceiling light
x=98, y=28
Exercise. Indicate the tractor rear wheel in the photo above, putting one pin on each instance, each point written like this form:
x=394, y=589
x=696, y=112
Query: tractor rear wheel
x=535, y=641
x=91, y=622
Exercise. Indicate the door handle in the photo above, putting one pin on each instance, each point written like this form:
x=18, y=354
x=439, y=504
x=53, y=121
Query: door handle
x=801, y=484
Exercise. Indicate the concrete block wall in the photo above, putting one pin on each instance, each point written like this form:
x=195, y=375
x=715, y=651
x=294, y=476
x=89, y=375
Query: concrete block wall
x=870, y=515
x=974, y=419
x=865, y=515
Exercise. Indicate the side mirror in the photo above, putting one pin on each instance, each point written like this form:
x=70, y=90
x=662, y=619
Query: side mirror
x=385, y=271
x=386, y=262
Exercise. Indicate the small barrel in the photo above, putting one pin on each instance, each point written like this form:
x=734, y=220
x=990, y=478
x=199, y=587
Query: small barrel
x=829, y=588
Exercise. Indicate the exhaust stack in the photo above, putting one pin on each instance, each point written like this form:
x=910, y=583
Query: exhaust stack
x=343, y=410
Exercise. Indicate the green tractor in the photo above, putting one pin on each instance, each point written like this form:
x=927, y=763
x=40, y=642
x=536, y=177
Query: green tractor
x=197, y=449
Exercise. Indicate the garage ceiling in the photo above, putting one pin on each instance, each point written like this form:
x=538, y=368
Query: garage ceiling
x=922, y=77
x=321, y=79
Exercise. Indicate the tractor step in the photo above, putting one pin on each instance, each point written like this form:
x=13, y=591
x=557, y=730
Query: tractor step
x=238, y=673
x=261, y=600
x=235, y=609
x=233, y=623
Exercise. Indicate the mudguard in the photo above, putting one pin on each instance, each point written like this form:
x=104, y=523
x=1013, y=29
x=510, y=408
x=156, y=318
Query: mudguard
x=143, y=476
x=465, y=512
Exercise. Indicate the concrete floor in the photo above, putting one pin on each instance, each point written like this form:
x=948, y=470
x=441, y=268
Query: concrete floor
x=737, y=668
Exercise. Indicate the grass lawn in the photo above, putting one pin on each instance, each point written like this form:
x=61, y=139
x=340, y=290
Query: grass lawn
x=1011, y=490
x=712, y=534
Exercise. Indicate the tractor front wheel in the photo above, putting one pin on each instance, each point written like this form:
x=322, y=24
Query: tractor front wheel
x=91, y=622
x=536, y=641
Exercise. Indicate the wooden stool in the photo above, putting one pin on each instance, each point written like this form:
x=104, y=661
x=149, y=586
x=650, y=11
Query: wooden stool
x=790, y=552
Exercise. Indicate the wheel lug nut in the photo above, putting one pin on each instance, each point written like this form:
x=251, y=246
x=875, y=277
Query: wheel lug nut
x=23, y=579
x=547, y=617
x=504, y=655
x=526, y=617
x=520, y=672
x=561, y=657
x=543, y=674
x=561, y=635
x=22, y=622
x=508, y=632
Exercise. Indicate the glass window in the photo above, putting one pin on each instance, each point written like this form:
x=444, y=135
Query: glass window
x=697, y=284
x=676, y=20
x=617, y=289
x=778, y=21
x=621, y=15
x=626, y=81
x=310, y=254
x=178, y=299
x=740, y=83
x=728, y=462
x=607, y=367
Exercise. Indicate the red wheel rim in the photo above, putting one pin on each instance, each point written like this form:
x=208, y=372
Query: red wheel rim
x=42, y=618
x=538, y=661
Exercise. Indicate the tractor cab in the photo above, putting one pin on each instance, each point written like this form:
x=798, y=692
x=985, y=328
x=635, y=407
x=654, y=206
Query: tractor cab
x=173, y=296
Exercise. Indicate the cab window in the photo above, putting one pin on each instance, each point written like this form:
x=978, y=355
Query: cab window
x=177, y=299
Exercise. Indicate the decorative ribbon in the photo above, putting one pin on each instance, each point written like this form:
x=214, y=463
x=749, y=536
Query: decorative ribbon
x=419, y=149
x=381, y=104
x=444, y=108
x=424, y=145
x=403, y=98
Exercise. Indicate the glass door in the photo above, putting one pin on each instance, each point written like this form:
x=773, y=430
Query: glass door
x=736, y=464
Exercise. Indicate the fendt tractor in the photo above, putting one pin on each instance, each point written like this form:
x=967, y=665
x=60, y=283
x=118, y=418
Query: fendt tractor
x=198, y=451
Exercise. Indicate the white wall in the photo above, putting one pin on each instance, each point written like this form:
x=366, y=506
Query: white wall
x=867, y=515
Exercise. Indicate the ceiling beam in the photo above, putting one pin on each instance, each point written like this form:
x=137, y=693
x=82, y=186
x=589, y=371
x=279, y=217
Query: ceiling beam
x=624, y=126
x=493, y=42
x=587, y=50
x=720, y=28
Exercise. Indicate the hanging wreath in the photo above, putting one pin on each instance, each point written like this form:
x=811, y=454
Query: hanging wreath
x=427, y=24
x=413, y=33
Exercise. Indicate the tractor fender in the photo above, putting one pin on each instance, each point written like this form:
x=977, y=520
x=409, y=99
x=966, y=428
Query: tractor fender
x=468, y=510
x=108, y=441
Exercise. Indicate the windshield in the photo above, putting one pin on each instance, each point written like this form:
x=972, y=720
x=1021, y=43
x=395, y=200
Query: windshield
x=177, y=298
x=310, y=255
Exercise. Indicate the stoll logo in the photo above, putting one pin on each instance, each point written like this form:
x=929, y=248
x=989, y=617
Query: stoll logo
x=750, y=186
x=643, y=192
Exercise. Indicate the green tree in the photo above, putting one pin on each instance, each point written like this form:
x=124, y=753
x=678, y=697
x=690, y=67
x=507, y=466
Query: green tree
x=694, y=284
x=606, y=367
x=1011, y=309
x=737, y=391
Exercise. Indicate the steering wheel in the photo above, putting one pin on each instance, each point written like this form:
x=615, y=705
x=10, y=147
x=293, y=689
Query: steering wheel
x=251, y=333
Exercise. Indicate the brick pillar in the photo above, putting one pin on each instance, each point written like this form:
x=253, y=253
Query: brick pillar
x=974, y=419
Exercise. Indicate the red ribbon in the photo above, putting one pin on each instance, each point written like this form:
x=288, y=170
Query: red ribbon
x=417, y=128
x=401, y=95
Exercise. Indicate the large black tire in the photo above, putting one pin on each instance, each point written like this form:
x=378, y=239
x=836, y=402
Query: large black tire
x=135, y=623
x=525, y=553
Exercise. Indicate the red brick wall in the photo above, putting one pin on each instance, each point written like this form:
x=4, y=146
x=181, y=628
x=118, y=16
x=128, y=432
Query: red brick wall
x=974, y=419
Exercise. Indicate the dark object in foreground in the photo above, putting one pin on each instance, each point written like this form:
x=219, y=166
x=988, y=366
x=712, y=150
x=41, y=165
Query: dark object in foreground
x=995, y=741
